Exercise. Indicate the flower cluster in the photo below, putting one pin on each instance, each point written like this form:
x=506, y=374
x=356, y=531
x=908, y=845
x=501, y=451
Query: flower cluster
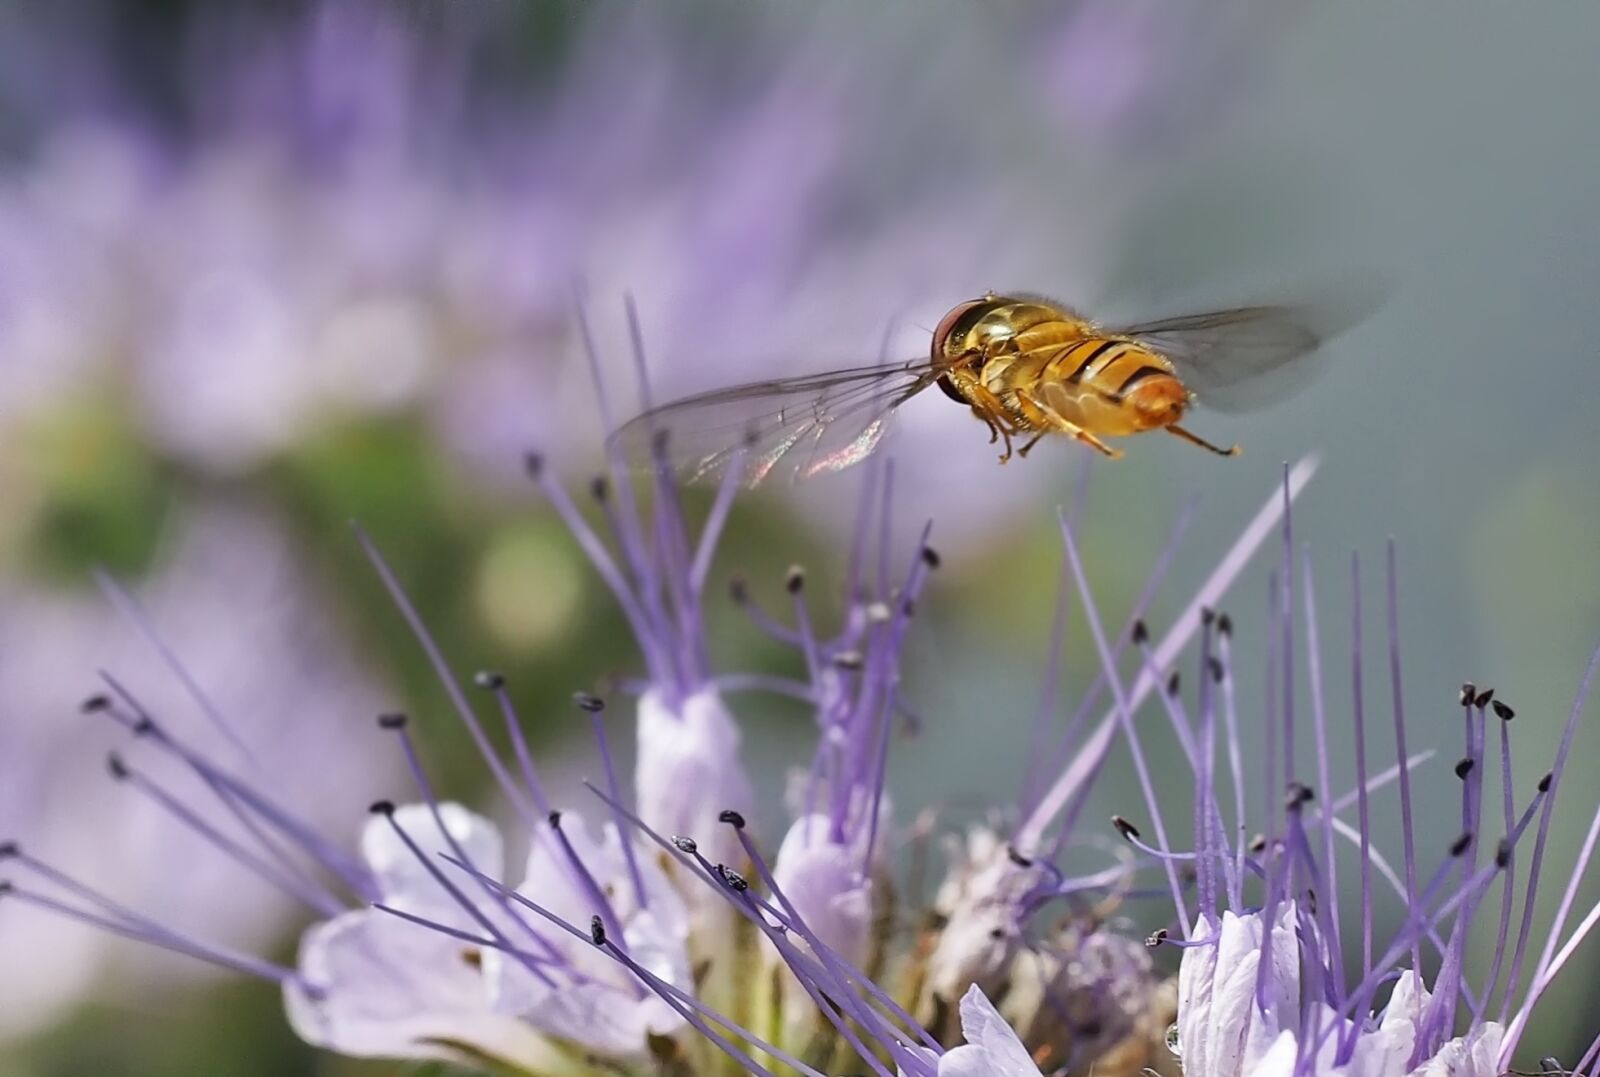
x=1264, y=985
x=650, y=932
x=632, y=925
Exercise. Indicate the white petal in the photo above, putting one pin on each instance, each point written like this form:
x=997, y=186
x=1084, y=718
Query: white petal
x=1277, y=1060
x=1474, y=1055
x=983, y=1027
x=594, y=1001
x=689, y=771
x=824, y=882
x=966, y=1061
x=403, y=880
x=395, y=989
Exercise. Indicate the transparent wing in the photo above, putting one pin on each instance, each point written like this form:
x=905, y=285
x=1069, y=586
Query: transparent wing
x=1248, y=357
x=800, y=426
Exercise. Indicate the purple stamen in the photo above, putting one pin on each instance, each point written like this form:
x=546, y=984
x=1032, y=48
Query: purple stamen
x=447, y=678
x=1275, y=885
x=1058, y=759
x=611, y=783
x=1537, y=862
x=1508, y=891
x=606, y=568
x=1125, y=714
x=467, y=904
x=711, y=531
x=496, y=683
x=129, y=607
x=1331, y=926
x=237, y=795
x=843, y=971
x=1393, y=594
x=1359, y=722
x=153, y=934
x=1093, y=751
x=1288, y=633
x=689, y=1009
x=296, y=887
x=1230, y=717
x=761, y=682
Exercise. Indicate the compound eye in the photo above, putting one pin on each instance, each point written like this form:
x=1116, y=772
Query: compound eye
x=947, y=325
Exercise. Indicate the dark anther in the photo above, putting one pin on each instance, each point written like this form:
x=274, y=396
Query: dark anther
x=1125, y=828
x=930, y=557
x=908, y=608
x=1214, y=664
x=1141, y=633
x=1464, y=768
x=1483, y=698
x=1258, y=844
x=533, y=464
x=1544, y=783
x=114, y=764
x=1459, y=846
x=144, y=726
x=849, y=660
x=732, y=818
x=9, y=849
x=489, y=680
x=660, y=438
x=599, y=488
x=738, y=590
x=1156, y=938
x=1173, y=683
x=1502, y=853
x=1298, y=796
x=5, y=887
x=1503, y=712
x=597, y=930
x=1550, y=1066
x=382, y=807
x=733, y=879
x=394, y=720
x=1207, y=615
x=794, y=580
x=1224, y=624
x=554, y=819
x=686, y=845
x=96, y=702
x=1088, y=1030
x=1311, y=901
x=1017, y=858
x=1469, y=692
x=587, y=702
x=997, y=933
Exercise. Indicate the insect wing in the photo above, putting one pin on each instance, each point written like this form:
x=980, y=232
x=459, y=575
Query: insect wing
x=1247, y=357
x=1235, y=359
x=800, y=426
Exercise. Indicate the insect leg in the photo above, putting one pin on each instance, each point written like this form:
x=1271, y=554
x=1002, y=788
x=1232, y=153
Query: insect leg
x=1068, y=427
x=1023, y=452
x=988, y=407
x=1232, y=450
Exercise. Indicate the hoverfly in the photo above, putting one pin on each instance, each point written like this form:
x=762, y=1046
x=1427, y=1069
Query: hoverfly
x=1026, y=367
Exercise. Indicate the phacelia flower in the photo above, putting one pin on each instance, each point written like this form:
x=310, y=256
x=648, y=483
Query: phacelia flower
x=658, y=933
x=1264, y=986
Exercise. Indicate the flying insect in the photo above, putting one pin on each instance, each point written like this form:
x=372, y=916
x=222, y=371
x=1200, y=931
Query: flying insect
x=1027, y=367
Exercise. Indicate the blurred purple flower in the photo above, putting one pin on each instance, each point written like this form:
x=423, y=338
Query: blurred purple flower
x=277, y=675
x=349, y=224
